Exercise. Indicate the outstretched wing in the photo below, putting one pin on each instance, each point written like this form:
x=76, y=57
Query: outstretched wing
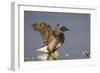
x=44, y=29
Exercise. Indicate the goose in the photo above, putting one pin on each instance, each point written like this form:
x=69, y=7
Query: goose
x=52, y=39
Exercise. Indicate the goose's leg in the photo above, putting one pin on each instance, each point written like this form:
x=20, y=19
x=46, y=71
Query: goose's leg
x=53, y=56
x=49, y=54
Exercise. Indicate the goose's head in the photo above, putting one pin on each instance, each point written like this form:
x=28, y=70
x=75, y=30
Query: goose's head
x=63, y=29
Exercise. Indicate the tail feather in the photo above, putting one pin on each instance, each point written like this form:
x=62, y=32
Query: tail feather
x=43, y=57
x=43, y=49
